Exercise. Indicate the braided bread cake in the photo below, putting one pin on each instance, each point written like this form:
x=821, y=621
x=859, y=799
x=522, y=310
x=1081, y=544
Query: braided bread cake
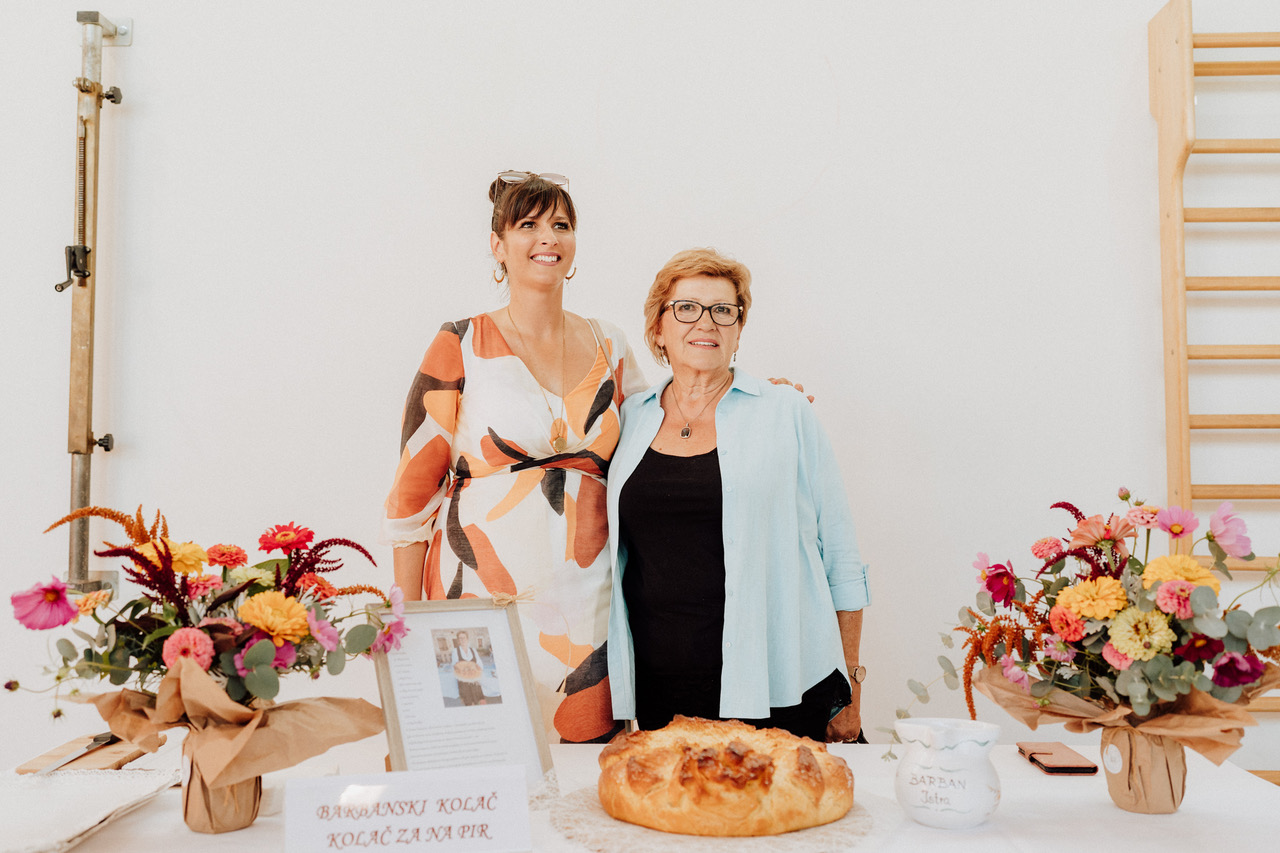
x=701, y=777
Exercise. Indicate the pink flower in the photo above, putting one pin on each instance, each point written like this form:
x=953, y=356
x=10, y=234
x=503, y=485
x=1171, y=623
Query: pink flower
x=1015, y=673
x=1093, y=532
x=231, y=556
x=1066, y=624
x=1227, y=529
x=1199, y=648
x=1123, y=494
x=188, y=643
x=44, y=606
x=1177, y=522
x=197, y=587
x=1048, y=548
x=1174, y=597
x=1233, y=669
x=394, y=629
x=286, y=537
x=999, y=579
x=324, y=632
x=1058, y=649
x=1143, y=516
x=286, y=654
x=389, y=637
x=1115, y=657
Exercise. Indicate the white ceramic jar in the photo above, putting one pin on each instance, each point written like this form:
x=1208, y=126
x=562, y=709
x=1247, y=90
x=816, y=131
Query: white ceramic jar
x=945, y=777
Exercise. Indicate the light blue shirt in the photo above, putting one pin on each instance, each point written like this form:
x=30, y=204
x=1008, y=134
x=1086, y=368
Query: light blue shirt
x=790, y=553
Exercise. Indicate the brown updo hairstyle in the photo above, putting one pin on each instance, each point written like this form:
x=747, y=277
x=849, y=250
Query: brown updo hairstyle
x=687, y=264
x=529, y=198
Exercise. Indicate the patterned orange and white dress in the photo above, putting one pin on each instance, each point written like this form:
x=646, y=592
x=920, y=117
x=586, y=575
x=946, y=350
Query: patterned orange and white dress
x=503, y=512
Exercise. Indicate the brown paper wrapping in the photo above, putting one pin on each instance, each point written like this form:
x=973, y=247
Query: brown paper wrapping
x=1152, y=774
x=229, y=744
x=1196, y=720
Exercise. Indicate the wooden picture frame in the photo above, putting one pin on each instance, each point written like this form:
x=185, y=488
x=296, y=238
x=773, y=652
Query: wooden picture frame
x=455, y=701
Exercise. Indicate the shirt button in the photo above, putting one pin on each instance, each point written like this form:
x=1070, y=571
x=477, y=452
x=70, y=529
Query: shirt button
x=728, y=644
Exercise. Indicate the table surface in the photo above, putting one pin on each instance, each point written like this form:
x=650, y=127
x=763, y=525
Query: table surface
x=1225, y=808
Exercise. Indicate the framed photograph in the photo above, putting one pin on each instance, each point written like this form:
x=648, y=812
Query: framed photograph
x=458, y=692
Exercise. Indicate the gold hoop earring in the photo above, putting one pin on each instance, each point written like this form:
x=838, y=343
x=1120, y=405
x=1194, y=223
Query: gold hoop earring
x=572, y=274
x=499, y=280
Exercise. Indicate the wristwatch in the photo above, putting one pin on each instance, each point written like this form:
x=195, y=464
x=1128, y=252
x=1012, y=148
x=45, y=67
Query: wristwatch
x=858, y=673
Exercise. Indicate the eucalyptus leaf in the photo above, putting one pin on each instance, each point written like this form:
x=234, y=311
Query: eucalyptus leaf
x=1058, y=586
x=1219, y=555
x=952, y=681
x=901, y=713
x=1232, y=643
x=965, y=617
x=947, y=640
x=1209, y=625
x=236, y=689
x=227, y=663
x=336, y=662
x=260, y=653
x=120, y=672
x=946, y=664
x=1041, y=689
x=86, y=637
x=985, y=604
x=1204, y=683
x=1238, y=623
x=1203, y=600
x=1226, y=694
x=263, y=682
x=919, y=689
x=67, y=650
x=1262, y=633
x=1019, y=591
x=360, y=638
x=110, y=637
x=84, y=669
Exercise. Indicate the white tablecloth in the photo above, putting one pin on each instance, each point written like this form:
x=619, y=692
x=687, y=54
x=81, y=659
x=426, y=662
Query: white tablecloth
x=1226, y=809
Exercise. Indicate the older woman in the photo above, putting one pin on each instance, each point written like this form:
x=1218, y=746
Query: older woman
x=507, y=432
x=738, y=589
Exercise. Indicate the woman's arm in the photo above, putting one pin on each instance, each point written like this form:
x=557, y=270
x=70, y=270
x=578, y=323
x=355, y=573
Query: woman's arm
x=409, y=562
x=846, y=725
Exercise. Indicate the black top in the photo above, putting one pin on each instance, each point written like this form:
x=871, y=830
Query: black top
x=670, y=513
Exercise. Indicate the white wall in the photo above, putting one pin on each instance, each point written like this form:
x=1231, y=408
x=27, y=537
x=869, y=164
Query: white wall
x=949, y=209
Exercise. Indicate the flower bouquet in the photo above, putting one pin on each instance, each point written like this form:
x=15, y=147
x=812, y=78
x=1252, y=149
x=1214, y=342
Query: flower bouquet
x=204, y=647
x=1141, y=648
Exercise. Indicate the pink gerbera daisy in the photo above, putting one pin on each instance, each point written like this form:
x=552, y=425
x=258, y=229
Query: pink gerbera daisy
x=1174, y=598
x=1048, y=548
x=286, y=537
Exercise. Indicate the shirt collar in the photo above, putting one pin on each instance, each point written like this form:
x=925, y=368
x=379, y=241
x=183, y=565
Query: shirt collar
x=742, y=381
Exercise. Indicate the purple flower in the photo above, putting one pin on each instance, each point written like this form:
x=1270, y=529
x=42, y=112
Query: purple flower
x=1236, y=670
x=1199, y=648
x=1227, y=529
x=286, y=654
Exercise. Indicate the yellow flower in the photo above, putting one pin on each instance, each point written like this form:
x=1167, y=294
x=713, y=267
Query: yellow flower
x=265, y=577
x=188, y=557
x=280, y=616
x=1100, y=598
x=1140, y=635
x=1179, y=567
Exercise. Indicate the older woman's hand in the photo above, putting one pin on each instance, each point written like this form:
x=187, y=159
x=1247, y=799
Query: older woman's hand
x=782, y=380
x=847, y=725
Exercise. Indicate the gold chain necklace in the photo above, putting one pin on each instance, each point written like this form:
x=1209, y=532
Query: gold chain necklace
x=558, y=440
x=675, y=398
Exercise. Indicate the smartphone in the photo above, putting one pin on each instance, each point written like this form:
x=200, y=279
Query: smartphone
x=1056, y=759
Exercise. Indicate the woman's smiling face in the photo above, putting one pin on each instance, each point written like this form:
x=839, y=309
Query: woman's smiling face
x=537, y=251
x=702, y=345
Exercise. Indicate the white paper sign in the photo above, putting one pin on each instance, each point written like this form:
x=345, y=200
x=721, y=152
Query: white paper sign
x=460, y=809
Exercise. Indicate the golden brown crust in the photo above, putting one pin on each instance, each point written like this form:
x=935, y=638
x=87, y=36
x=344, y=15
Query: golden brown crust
x=702, y=777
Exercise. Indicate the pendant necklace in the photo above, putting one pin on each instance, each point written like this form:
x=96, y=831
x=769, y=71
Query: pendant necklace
x=675, y=398
x=558, y=441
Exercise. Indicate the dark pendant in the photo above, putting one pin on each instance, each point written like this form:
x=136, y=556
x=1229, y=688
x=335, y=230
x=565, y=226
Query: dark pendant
x=686, y=432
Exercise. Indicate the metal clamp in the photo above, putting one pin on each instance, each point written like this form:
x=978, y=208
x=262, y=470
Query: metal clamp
x=77, y=266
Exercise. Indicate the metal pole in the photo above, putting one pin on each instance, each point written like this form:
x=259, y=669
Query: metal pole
x=81, y=265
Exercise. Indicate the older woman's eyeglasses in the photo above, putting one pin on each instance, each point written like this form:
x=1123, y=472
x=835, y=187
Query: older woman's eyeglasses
x=688, y=311
x=512, y=176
